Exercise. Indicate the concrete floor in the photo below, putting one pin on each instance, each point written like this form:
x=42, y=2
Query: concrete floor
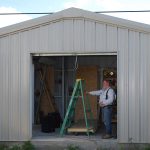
x=84, y=144
x=97, y=135
x=53, y=140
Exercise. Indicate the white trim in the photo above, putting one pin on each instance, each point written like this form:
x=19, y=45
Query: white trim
x=31, y=107
x=74, y=54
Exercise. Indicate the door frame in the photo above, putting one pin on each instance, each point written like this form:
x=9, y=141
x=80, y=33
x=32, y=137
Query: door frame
x=63, y=54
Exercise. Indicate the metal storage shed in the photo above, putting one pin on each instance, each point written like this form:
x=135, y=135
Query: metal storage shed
x=69, y=32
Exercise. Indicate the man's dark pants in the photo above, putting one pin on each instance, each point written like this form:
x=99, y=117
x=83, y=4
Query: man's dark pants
x=107, y=118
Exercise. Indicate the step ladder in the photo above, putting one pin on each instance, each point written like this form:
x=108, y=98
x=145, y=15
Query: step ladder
x=44, y=90
x=78, y=92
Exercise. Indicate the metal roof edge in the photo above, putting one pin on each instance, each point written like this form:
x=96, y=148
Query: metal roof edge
x=75, y=13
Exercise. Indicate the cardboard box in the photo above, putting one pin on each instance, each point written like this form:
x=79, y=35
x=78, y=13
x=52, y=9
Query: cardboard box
x=91, y=77
x=46, y=103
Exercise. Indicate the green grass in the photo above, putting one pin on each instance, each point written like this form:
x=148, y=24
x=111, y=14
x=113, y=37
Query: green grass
x=3, y=147
x=147, y=147
x=72, y=147
x=26, y=146
x=15, y=147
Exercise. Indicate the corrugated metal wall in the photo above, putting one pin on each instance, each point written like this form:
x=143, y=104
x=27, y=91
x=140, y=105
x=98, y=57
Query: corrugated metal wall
x=76, y=36
x=133, y=86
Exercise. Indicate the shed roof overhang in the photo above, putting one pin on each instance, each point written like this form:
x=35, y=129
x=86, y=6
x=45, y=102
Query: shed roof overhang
x=75, y=13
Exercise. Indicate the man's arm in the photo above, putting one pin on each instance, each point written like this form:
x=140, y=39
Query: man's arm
x=95, y=93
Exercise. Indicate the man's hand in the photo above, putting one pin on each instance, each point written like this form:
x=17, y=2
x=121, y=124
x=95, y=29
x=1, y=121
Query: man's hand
x=87, y=93
x=101, y=104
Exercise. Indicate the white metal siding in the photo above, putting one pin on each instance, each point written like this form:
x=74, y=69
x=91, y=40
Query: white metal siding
x=101, y=36
x=111, y=38
x=67, y=39
x=122, y=87
x=44, y=32
x=89, y=36
x=73, y=36
x=133, y=80
x=14, y=86
x=134, y=71
x=4, y=95
x=56, y=36
x=144, y=90
x=25, y=87
x=145, y=94
x=76, y=36
x=148, y=93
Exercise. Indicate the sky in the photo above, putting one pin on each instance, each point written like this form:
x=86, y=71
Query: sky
x=14, y=6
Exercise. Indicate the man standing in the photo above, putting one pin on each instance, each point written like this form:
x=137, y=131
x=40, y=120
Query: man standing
x=106, y=98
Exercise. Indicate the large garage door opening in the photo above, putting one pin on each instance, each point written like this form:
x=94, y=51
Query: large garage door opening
x=54, y=80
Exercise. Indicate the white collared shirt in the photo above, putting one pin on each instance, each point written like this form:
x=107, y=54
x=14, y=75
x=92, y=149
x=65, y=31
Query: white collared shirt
x=102, y=95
